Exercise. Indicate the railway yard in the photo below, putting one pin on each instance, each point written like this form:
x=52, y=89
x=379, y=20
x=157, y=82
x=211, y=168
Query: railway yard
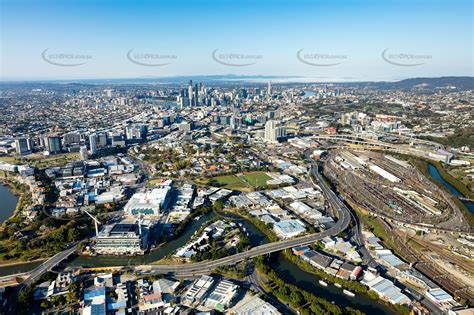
x=430, y=232
x=392, y=188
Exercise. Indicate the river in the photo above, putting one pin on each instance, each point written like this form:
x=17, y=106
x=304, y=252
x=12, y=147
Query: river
x=285, y=269
x=437, y=176
x=8, y=203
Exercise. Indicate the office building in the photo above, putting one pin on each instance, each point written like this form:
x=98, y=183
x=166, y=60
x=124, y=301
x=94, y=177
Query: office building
x=52, y=144
x=93, y=143
x=122, y=239
x=150, y=202
x=23, y=146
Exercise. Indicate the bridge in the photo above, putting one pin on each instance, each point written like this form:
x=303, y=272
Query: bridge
x=49, y=264
x=354, y=142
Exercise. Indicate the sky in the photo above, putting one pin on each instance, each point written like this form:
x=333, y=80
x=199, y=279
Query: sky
x=344, y=40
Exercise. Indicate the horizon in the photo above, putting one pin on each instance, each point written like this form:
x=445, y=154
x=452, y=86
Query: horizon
x=256, y=79
x=55, y=40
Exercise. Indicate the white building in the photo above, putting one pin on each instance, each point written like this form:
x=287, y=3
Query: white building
x=150, y=202
x=198, y=289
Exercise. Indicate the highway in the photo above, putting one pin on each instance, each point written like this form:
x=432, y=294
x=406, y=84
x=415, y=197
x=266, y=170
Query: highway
x=207, y=266
x=36, y=273
x=336, y=203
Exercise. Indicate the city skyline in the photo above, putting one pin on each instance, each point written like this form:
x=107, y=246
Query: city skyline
x=348, y=41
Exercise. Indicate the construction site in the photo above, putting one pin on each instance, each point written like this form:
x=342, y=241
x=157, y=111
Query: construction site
x=424, y=225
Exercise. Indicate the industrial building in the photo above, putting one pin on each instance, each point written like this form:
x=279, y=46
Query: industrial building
x=198, y=289
x=222, y=295
x=289, y=228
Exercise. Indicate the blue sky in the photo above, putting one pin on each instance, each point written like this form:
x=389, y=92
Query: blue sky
x=437, y=35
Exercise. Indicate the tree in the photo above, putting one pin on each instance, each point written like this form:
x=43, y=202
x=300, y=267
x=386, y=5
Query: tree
x=72, y=235
x=219, y=205
x=296, y=297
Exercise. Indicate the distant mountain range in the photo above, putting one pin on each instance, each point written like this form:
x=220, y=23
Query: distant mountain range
x=460, y=83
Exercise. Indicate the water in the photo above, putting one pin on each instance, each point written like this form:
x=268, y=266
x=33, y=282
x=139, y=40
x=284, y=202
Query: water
x=291, y=273
x=435, y=174
x=8, y=203
x=18, y=268
x=285, y=269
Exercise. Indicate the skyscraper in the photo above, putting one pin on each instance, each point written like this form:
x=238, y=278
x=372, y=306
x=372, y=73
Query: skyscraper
x=196, y=95
x=273, y=133
x=269, y=88
x=93, y=143
x=190, y=92
x=52, y=144
x=270, y=131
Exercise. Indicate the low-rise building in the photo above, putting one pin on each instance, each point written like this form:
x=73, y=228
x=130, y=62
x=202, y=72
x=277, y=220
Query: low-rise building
x=289, y=228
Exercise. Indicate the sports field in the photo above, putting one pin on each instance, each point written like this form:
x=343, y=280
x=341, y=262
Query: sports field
x=241, y=182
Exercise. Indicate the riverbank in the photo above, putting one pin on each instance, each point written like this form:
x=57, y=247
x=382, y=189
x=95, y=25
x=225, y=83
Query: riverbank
x=299, y=299
x=7, y=263
x=289, y=258
x=460, y=187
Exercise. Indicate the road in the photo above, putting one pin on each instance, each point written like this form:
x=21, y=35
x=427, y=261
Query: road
x=255, y=281
x=36, y=273
x=336, y=203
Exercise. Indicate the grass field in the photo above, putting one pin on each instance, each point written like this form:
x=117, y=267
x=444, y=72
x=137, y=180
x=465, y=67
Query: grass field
x=232, y=182
x=41, y=161
x=242, y=182
x=256, y=179
x=8, y=159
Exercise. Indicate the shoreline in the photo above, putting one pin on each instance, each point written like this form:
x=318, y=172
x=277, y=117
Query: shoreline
x=15, y=192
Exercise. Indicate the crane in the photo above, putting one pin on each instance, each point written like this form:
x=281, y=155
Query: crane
x=96, y=222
